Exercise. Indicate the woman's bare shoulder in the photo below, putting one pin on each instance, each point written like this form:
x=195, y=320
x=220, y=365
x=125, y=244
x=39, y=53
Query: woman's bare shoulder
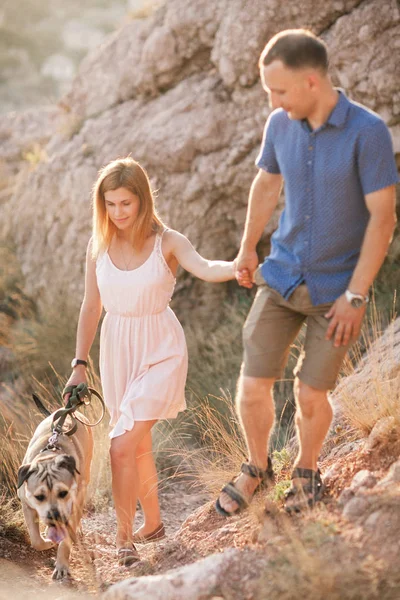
x=171, y=237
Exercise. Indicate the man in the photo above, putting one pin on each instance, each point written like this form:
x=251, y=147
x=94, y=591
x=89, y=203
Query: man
x=336, y=160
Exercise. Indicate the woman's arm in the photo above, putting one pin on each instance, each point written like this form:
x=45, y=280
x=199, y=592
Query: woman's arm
x=89, y=317
x=178, y=246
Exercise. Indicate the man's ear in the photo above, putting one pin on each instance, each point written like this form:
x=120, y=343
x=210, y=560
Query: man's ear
x=67, y=462
x=24, y=473
x=313, y=81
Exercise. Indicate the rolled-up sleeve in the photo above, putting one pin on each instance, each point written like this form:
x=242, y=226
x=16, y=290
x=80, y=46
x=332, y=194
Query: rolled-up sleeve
x=376, y=164
x=266, y=159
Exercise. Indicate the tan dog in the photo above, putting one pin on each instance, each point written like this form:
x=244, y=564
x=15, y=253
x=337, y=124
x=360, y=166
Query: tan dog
x=52, y=487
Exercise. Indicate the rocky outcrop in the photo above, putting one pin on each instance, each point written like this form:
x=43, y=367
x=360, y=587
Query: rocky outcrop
x=202, y=579
x=180, y=92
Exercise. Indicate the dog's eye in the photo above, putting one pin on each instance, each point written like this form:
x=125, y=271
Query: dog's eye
x=40, y=497
x=63, y=494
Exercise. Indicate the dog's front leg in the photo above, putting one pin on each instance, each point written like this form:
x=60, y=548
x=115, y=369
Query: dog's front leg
x=32, y=523
x=62, y=562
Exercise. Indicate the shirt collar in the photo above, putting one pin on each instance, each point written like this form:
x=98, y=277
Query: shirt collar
x=338, y=115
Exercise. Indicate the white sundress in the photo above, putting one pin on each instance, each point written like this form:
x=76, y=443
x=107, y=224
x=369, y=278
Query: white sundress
x=143, y=354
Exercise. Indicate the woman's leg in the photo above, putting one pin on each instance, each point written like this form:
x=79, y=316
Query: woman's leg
x=148, y=486
x=125, y=484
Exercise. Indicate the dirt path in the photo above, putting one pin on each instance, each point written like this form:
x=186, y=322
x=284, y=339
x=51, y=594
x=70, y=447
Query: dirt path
x=93, y=561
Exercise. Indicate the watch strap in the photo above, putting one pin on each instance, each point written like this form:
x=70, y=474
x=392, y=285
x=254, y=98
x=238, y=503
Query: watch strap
x=78, y=361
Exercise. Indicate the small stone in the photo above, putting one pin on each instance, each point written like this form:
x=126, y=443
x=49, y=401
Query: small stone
x=380, y=432
x=392, y=476
x=355, y=508
x=363, y=479
x=345, y=496
x=373, y=519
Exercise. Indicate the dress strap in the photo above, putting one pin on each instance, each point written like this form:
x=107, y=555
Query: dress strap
x=159, y=252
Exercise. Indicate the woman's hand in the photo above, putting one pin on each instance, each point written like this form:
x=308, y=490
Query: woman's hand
x=78, y=376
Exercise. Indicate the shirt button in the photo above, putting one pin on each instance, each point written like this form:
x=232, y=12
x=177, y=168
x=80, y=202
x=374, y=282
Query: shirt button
x=310, y=147
x=307, y=216
x=309, y=162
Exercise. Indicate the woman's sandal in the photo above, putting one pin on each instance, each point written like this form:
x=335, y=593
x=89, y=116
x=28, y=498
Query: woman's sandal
x=307, y=494
x=154, y=536
x=127, y=556
x=267, y=478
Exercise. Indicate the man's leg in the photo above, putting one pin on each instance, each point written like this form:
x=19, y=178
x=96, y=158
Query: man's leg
x=313, y=419
x=316, y=373
x=256, y=412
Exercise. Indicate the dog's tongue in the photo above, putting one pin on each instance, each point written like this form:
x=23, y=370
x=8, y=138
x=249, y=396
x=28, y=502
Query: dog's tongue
x=56, y=534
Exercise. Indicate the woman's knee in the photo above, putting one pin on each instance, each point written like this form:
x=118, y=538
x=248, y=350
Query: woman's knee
x=124, y=447
x=120, y=451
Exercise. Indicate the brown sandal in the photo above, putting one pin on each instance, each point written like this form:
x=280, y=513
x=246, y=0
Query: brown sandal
x=154, y=536
x=266, y=478
x=127, y=556
x=305, y=495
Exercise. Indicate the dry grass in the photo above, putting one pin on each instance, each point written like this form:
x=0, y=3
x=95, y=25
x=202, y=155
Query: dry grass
x=371, y=389
x=35, y=155
x=313, y=561
x=208, y=447
x=145, y=9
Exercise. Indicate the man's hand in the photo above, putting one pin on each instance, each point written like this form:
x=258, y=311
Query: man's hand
x=246, y=263
x=345, y=322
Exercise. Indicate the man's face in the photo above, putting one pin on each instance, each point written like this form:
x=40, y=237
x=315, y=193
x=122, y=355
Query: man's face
x=291, y=89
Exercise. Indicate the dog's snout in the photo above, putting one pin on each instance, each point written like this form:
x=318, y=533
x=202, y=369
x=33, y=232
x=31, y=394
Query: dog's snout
x=54, y=514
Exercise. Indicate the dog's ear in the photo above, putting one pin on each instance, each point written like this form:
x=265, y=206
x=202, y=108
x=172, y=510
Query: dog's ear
x=24, y=473
x=64, y=461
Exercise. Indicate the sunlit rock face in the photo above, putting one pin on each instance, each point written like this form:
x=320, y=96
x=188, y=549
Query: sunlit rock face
x=179, y=91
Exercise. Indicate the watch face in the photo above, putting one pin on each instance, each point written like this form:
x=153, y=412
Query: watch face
x=356, y=302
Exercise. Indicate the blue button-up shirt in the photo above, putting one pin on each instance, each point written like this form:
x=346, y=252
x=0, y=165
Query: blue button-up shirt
x=327, y=173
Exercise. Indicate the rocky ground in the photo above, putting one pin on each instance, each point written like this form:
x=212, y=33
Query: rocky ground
x=347, y=547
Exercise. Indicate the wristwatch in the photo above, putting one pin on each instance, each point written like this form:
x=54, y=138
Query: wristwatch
x=356, y=300
x=77, y=361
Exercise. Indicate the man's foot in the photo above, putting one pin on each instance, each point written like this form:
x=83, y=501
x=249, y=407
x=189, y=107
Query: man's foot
x=307, y=488
x=127, y=556
x=238, y=494
x=144, y=535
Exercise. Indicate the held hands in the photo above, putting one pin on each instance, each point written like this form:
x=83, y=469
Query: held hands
x=345, y=322
x=245, y=265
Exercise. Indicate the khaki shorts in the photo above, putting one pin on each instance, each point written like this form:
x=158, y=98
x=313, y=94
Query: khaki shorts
x=271, y=328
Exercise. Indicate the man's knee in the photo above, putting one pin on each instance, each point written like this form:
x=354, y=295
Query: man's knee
x=251, y=391
x=308, y=399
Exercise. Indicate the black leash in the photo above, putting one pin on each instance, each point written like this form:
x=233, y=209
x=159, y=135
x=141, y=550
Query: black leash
x=81, y=395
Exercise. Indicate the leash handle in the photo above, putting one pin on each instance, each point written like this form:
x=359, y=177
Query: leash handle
x=80, y=395
x=92, y=391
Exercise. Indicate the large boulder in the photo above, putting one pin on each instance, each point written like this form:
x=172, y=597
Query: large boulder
x=179, y=91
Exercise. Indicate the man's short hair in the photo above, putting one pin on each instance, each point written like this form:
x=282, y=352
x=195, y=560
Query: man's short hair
x=297, y=49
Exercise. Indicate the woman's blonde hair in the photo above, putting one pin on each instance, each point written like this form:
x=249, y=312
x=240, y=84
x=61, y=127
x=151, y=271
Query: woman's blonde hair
x=123, y=173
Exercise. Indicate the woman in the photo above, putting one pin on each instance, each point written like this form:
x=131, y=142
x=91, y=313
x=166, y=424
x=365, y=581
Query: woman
x=131, y=265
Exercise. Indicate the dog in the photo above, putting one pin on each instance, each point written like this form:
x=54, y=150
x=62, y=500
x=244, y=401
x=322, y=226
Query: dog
x=52, y=486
